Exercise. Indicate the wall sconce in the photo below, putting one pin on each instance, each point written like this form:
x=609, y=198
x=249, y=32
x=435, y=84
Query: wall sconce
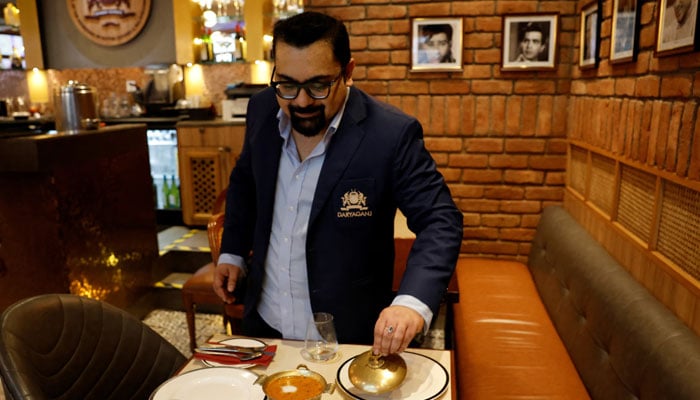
x=194, y=84
x=260, y=72
x=38, y=87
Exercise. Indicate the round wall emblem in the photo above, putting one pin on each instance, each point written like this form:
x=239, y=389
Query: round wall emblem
x=109, y=22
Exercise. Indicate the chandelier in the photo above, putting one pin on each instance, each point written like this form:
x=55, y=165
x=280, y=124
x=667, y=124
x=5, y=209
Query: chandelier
x=234, y=8
x=222, y=8
x=286, y=8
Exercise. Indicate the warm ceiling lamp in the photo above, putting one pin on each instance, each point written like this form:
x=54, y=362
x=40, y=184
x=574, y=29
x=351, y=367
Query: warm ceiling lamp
x=287, y=8
x=222, y=7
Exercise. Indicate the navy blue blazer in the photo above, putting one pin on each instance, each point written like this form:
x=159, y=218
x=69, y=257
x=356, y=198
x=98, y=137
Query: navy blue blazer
x=375, y=162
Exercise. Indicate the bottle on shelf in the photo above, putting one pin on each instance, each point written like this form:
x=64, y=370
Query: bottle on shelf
x=173, y=194
x=166, y=192
x=239, y=43
x=155, y=194
x=206, y=51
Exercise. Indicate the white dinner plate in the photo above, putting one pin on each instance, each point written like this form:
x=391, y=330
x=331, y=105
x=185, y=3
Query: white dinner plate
x=218, y=383
x=425, y=379
x=243, y=342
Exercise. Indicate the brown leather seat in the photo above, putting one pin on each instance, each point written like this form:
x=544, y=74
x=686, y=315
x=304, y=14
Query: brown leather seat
x=198, y=289
x=65, y=346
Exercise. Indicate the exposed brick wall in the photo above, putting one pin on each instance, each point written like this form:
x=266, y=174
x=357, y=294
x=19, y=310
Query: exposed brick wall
x=643, y=110
x=498, y=137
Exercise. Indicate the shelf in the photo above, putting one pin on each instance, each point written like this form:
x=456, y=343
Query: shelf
x=9, y=29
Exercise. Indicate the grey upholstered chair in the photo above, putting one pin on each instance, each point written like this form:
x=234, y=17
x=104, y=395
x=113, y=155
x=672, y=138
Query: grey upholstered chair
x=69, y=347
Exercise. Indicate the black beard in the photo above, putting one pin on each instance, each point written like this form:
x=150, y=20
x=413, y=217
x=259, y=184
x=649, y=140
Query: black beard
x=308, y=127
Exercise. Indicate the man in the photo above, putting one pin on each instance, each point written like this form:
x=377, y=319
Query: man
x=437, y=45
x=532, y=42
x=679, y=22
x=313, y=198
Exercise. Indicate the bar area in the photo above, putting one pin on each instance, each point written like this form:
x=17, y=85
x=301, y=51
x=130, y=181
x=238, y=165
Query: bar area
x=77, y=215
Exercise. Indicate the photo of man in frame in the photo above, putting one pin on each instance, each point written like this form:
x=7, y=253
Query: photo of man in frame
x=679, y=21
x=435, y=44
x=532, y=44
x=590, y=42
x=625, y=25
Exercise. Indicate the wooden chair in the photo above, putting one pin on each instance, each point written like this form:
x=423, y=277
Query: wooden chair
x=198, y=289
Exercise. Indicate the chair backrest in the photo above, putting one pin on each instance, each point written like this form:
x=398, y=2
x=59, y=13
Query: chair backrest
x=66, y=346
x=215, y=229
x=215, y=225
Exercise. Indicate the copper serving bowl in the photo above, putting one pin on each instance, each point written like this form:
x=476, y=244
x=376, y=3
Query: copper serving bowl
x=296, y=384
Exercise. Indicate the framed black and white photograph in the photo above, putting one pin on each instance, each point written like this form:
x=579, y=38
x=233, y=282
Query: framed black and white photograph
x=589, y=36
x=625, y=31
x=436, y=44
x=529, y=41
x=677, y=27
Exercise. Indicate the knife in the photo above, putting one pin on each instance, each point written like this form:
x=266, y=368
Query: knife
x=228, y=348
x=239, y=356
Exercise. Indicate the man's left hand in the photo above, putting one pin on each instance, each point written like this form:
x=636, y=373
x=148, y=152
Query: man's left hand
x=395, y=329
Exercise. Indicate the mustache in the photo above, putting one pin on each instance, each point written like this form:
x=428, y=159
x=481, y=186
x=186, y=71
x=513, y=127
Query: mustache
x=305, y=110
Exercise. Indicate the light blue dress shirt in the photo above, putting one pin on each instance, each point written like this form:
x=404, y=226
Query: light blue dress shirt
x=284, y=303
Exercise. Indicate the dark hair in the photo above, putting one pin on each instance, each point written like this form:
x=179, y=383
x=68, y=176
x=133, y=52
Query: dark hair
x=309, y=27
x=431, y=30
x=543, y=29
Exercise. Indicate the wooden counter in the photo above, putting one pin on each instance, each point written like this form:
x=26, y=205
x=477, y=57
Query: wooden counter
x=77, y=215
x=210, y=122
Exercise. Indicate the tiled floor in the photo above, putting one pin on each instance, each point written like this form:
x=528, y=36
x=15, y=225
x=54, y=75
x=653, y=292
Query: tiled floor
x=183, y=239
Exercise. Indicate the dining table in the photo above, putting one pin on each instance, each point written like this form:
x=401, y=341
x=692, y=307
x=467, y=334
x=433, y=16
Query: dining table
x=288, y=356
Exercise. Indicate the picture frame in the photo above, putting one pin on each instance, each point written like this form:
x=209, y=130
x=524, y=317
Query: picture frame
x=529, y=42
x=677, y=27
x=589, y=52
x=625, y=31
x=436, y=44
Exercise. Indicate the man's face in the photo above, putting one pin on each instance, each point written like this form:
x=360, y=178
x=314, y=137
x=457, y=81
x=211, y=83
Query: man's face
x=314, y=63
x=439, y=42
x=531, y=46
x=680, y=8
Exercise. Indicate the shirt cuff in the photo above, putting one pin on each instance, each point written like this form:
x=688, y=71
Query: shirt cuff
x=413, y=303
x=225, y=258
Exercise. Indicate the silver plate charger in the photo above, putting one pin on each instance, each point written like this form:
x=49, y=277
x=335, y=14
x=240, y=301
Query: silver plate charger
x=217, y=383
x=426, y=379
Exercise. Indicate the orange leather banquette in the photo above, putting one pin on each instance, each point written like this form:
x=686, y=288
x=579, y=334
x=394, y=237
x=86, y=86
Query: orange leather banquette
x=571, y=324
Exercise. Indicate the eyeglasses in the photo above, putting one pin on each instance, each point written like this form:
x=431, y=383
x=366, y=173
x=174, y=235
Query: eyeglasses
x=289, y=90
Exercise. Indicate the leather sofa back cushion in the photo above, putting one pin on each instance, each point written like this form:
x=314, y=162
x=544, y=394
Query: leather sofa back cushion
x=624, y=343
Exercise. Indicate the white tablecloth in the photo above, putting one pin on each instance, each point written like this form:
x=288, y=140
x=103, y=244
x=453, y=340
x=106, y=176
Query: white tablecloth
x=288, y=357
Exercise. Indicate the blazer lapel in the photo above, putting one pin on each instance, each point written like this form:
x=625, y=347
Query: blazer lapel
x=340, y=151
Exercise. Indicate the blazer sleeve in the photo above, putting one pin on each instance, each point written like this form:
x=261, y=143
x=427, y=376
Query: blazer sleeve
x=424, y=197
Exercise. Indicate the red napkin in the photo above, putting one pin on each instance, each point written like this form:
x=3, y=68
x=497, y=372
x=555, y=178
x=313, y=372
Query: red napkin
x=263, y=360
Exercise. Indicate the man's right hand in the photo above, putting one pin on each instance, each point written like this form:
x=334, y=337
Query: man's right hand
x=225, y=278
